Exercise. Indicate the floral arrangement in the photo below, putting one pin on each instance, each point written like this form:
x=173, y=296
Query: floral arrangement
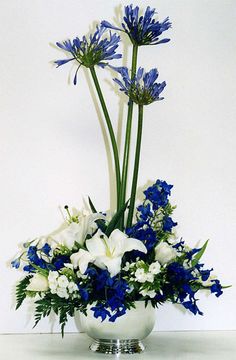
x=105, y=261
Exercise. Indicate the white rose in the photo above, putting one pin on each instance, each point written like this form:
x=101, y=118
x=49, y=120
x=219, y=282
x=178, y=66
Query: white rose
x=38, y=283
x=165, y=253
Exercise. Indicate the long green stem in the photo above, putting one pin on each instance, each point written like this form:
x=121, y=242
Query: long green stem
x=127, y=136
x=136, y=166
x=111, y=133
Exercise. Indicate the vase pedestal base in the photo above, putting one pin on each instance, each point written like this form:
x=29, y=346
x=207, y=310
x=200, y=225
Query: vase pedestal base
x=106, y=346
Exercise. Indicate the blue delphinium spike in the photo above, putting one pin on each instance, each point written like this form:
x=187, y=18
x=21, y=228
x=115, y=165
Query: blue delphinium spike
x=16, y=263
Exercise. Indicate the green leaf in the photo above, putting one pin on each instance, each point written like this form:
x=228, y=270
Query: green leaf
x=41, y=271
x=116, y=218
x=226, y=286
x=43, y=309
x=91, y=205
x=100, y=223
x=21, y=292
x=199, y=254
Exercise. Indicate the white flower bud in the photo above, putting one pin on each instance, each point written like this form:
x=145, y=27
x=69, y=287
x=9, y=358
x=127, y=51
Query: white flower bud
x=165, y=253
x=38, y=283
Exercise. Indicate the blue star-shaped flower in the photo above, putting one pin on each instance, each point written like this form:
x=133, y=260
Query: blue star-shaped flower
x=142, y=30
x=90, y=51
x=142, y=88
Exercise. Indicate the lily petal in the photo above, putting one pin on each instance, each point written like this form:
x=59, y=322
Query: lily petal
x=81, y=259
x=134, y=244
x=113, y=265
x=116, y=242
x=121, y=243
x=96, y=245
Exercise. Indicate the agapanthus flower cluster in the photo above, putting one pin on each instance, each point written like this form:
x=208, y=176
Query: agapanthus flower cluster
x=144, y=29
x=90, y=51
x=142, y=88
x=82, y=265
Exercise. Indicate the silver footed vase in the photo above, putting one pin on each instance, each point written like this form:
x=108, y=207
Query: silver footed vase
x=125, y=335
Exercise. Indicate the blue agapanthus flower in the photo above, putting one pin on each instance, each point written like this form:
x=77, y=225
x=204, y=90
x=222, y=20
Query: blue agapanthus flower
x=142, y=89
x=94, y=50
x=142, y=30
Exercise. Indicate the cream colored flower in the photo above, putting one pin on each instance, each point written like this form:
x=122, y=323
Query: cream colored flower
x=38, y=283
x=165, y=253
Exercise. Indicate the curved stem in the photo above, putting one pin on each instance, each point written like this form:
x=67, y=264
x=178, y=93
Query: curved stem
x=127, y=136
x=111, y=133
x=136, y=166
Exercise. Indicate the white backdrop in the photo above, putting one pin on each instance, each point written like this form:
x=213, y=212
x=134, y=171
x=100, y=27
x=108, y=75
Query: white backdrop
x=52, y=150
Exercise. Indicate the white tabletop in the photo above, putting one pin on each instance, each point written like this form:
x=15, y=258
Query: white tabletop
x=159, y=345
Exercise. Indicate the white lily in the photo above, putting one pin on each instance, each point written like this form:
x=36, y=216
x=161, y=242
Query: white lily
x=78, y=231
x=81, y=259
x=106, y=252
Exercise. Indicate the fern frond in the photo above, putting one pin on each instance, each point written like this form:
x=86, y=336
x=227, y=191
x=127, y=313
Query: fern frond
x=21, y=290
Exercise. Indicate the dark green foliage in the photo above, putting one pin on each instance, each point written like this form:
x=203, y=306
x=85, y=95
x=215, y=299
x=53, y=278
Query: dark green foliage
x=21, y=290
x=101, y=223
x=115, y=220
x=199, y=254
x=63, y=308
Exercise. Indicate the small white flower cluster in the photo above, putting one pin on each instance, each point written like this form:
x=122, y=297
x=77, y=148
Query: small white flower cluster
x=60, y=285
x=145, y=276
x=149, y=293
